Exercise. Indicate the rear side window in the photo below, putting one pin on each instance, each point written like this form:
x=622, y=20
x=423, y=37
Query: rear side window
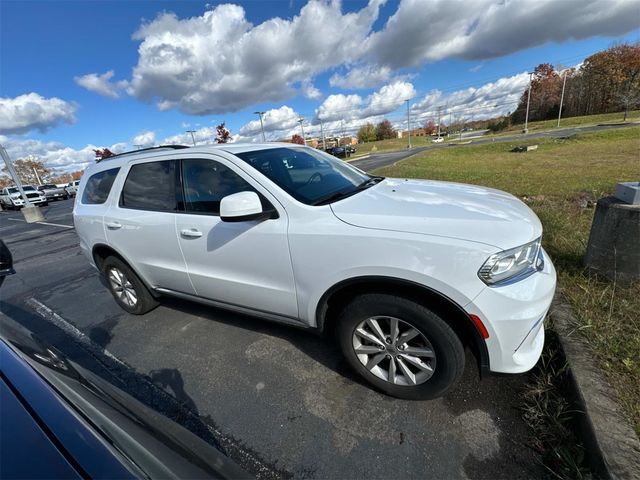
x=98, y=187
x=151, y=186
x=207, y=182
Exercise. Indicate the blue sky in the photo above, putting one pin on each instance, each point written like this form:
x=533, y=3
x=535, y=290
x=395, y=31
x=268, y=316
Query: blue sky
x=225, y=64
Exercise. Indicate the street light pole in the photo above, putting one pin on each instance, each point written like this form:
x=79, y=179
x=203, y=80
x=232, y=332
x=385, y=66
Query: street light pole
x=193, y=138
x=439, y=110
x=260, y=114
x=301, y=121
x=408, y=123
x=324, y=143
x=564, y=82
x=526, y=118
x=30, y=212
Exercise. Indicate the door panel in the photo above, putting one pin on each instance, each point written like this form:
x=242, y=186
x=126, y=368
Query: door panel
x=148, y=240
x=140, y=224
x=241, y=263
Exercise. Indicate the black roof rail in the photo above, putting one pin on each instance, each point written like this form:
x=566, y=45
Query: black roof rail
x=159, y=147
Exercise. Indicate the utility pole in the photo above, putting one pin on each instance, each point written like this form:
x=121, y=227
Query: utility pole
x=324, y=143
x=30, y=212
x=449, y=126
x=408, y=123
x=564, y=83
x=439, y=110
x=193, y=138
x=526, y=118
x=36, y=174
x=301, y=121
x=260, y=114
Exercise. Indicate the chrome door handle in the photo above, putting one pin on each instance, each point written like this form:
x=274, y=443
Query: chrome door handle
x=113, y=225
x=191, y=233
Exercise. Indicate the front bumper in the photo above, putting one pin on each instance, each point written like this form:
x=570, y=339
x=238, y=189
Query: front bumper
x=18, y=202
x=514, y=317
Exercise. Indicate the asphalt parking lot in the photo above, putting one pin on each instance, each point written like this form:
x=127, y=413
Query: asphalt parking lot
x=280, y=401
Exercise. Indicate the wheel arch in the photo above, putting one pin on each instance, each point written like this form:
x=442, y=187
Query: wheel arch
x=101, y=251
x=338, y=295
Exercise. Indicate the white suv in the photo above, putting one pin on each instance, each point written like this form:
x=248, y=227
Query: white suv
x=405, y=273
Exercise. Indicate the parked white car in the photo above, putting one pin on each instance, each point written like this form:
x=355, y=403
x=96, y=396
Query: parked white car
x=10, y=197
x=72, y=188
x=437, y=140
x=406, y=273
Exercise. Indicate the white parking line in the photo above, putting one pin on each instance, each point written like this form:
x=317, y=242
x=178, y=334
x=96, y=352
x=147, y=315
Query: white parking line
x=48, y=314
x=42, y=223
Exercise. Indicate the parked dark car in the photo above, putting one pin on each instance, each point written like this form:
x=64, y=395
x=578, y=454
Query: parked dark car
x=339, y=152
x=61, y=420
x=350, y=149
x=6, y=262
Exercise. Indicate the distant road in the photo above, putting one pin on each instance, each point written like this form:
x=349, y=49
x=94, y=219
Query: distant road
x=384, y=159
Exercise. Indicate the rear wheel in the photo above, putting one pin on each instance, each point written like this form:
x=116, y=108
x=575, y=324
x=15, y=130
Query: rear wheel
x=127, y=288
x=400, y=346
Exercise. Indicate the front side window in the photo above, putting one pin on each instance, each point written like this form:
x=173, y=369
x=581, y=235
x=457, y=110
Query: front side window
x=98, y=187
x=151, y=186
x=308, y=175
x=206, y=182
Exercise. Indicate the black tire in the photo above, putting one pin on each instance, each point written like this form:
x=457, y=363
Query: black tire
x=145, y=301
x=66, y=197
x=448, y=349
x=45, y=204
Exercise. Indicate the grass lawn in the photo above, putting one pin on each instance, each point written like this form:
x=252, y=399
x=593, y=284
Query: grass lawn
x=561, y=182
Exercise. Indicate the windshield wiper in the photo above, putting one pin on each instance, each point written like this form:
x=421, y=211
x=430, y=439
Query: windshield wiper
x=332, y=197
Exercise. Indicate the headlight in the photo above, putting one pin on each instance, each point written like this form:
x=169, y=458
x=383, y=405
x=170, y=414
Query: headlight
x=516, y=262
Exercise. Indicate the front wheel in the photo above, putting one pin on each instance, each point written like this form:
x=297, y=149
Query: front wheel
x=126, y=287
x=400, y=346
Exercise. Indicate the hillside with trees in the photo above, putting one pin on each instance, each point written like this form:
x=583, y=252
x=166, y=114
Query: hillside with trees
x=606, y=82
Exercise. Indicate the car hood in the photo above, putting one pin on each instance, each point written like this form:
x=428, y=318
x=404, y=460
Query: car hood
x=445, y=209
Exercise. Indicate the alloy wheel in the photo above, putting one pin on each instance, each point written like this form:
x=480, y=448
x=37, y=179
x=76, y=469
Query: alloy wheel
x=394, y=350
x=122, y=287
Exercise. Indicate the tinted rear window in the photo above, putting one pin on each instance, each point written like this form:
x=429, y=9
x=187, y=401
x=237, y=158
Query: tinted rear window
x=151, y=186
x=98, y=187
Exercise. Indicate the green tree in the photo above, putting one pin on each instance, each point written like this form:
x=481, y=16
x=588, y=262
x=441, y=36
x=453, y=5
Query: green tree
x=367, y=133
x=384, y=130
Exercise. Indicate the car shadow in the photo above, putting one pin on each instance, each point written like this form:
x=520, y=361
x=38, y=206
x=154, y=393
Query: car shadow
x=319, y=347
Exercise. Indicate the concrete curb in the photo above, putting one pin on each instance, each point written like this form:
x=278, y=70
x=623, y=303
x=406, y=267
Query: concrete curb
x=613, y=449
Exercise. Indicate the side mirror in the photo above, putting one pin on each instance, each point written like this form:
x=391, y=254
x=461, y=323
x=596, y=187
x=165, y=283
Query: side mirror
x=241, y=207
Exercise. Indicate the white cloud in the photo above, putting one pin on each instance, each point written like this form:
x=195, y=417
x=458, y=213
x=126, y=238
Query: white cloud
x=220, y=62
x=422, y=31
x=33, y=112
x=56, y=156
x=347, y=107
x=366, y=76
x=146, y=139
x=203, y=136
x=101, y=84
x=487, y=101
x=274, y=120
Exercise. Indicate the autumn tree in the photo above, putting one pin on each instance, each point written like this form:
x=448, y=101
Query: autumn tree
x=385, y=130
x=367, y=133
x=30, y=170
x=223, y=135
x=430, y=128
x=102, y=153
x=297, y=139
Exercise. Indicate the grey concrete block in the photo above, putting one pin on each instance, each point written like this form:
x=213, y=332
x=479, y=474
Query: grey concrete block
x=614, y=242
x=612, y=445
x=628, y=192
x=32, y=214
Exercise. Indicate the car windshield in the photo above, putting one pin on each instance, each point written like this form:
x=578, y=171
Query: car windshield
x=308, y=175
x=12, y=190
x=49, y=186
x=28, y=188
